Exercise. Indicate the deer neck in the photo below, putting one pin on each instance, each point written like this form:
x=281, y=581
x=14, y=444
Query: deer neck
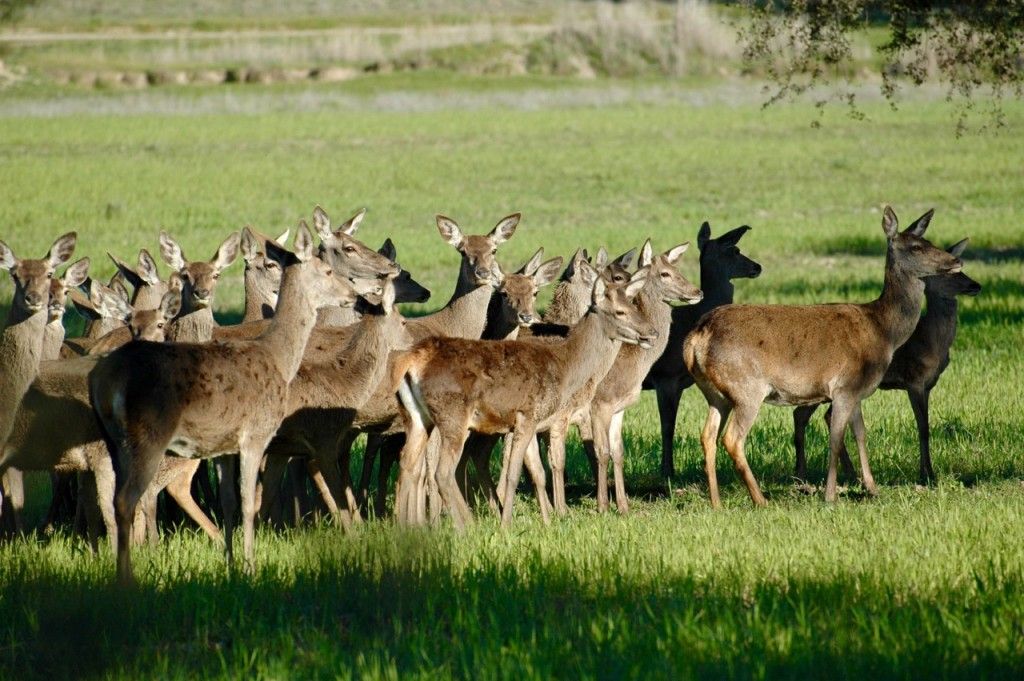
x=53, y=339
x=718, y=289
x=289, y=330
x=465, y=315
x=101, y=327
x=21, y=347
x=898, y=308
x=657, y=312
x=589, y=353
x=257, y=305
x=938, y=323
x=192, y=327
x=497, y=327
x=336, y=316
x=367, y=356
x=568, y=304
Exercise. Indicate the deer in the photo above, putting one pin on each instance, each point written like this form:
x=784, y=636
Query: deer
x=262, y=276
x=621, y=386
x=720, y=263
x=21, y=350
x=463, y=316
x=195, y=322
x=743, y=355
x=206, y=400
x=54, y=428
x=21, y=341
x=455, y=386
x=916, y=365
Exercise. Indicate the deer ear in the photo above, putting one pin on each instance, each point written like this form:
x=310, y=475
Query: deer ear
x=303, y=243
x=636, y=282
x=250, y=246
x=176, y=283
x=918, y=226
x=733, y=236
x=532, y=264
x=673, y=254
x=505, y=228
x=352, y=224
x=703, y=235
x=547, y=272
x=117, y=285
x=646, y=254
x=387, y=298
x=626, y=259
x=387, y=249
x=170, y=304
x=76, y=275
x=282, y=238
x=110, y=305
x=62, y=250
x=958, y=248
x=601, y=259
x=83, y=305
x=171, y=251
x=322, y=223
x=890, y=225
x=588, y=274
x=599, y=289
x=449, y=230
x=7, y=259
x=227, y=252
x=147, y=271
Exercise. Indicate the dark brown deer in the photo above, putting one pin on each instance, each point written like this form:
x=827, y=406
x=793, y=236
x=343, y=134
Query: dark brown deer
x=916, y=365
x=720, y=263
x=743, y=355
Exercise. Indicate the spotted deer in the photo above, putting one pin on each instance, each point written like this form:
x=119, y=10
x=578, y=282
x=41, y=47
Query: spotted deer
x=743, y=355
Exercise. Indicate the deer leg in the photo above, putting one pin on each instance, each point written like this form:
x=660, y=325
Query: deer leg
x=142, y=466
x=87, y=499
x=919, y=403
x=389, y=452
x=600, y=418
x=801, y=417
x=844, y=455
x=857, y=425
x=520, y=437
x=734, y=439
x=104, y=482
x=718, y=414
x=668, y=393
x=839, y=417
x=227, y=484
x=586, y=431
x=430, y=492
x=503, y=477
x=535, y=467
x=180, y=489
x=409, y=461
x=14, y=483
x=618, y=461
x=556, y=459
x=249, y=458
x=482, y=465
x=274, y=467
x=450, y=447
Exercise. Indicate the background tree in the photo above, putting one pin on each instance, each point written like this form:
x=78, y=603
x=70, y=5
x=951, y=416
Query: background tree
x=968, y=46
x=11, y=9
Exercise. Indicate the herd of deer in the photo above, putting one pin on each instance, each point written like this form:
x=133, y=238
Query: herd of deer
x=155, y=385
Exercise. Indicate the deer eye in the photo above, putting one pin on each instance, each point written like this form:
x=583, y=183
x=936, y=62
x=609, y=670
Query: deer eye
x=160, y=325
x=664, y=275
x=620, y=313
x=350, y=249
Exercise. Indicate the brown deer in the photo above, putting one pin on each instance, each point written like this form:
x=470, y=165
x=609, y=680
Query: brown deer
x=207, y=400
x=459, y=385
x=916, y=365
x=620, y=388
x=743, y=355
x=195, y=322
x=262, y=276
x=720, y=262
x=21, y=341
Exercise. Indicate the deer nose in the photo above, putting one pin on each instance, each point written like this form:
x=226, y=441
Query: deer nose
x=33, y=301
x=482, y=273
x=201, y=293
x=525, y=318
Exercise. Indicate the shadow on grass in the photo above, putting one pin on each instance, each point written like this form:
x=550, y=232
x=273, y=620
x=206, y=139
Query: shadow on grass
x=417, y=613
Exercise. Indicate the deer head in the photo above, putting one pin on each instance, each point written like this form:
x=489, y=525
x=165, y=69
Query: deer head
x=350, y=258
x=32, y=277
x=479, y=266
x=200, y=277
x=664, y=280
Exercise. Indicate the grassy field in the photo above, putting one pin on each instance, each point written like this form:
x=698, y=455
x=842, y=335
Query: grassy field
x=920, y=582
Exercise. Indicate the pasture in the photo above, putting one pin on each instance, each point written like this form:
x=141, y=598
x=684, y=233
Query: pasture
x=919, y=582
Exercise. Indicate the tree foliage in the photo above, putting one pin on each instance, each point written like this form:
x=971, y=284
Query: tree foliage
x=10, y=10
x=969, y=46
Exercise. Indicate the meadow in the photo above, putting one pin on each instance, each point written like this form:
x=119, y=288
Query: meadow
x=919, y=582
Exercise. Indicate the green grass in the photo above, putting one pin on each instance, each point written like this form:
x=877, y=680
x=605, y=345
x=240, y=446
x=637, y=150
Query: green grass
x=920, y=582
